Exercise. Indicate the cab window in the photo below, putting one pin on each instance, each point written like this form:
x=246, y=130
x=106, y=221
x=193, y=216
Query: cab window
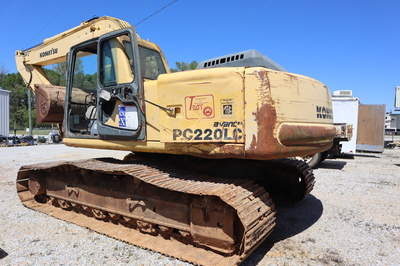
x=116, y=64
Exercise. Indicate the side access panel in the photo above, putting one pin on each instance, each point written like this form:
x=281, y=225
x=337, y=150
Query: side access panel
x=371, y=128
x=208, y=106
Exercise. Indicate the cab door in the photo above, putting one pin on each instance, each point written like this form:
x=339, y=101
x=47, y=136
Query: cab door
x=120, y=114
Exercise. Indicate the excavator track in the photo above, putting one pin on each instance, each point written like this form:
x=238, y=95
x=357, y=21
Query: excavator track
x=193, y=217
x=288, y=181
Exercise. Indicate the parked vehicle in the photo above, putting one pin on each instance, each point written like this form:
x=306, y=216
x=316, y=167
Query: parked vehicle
x=344, y=133
x=54, y=137
x=27, y=139
x=3, y=139
x=41, y=139
x=13, y=140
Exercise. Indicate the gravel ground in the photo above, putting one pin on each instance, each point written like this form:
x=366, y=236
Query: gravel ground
x=350, y=218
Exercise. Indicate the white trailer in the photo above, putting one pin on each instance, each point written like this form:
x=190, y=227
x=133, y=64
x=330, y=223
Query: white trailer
x=345, y=110
x=360, y=127
x=368, y=122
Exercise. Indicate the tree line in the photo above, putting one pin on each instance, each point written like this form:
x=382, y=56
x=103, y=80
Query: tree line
x=13, y=82
x=19, y=99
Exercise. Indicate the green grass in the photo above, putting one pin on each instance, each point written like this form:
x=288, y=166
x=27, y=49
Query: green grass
x=34, y=132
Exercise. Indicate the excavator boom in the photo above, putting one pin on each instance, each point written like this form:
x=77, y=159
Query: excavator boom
x=53, y=50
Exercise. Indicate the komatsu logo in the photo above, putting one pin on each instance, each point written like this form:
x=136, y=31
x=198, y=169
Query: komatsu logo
x=324, y=112
x=49, y=52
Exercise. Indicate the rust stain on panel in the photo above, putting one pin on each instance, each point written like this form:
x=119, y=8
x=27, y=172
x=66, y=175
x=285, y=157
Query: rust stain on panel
x=270, y=142
x=265, y=117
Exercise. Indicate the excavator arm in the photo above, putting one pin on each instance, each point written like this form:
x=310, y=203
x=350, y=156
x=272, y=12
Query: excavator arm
x=30, y=62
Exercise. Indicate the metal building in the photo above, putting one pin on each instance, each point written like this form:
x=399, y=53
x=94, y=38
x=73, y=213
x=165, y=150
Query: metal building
x=392, y=123
x=397, y=98
x=4, y=112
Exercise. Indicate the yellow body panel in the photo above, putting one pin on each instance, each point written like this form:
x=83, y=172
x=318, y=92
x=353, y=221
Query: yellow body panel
x=282, y=117
x=210, y=104
x=152, y=112
x=252, y=113
x=235, y=112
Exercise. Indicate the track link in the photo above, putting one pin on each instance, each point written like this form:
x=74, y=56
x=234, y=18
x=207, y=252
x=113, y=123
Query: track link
x=193, y=217
x=289, y=181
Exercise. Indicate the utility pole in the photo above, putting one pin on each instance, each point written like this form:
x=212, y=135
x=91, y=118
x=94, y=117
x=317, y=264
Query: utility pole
x=29, y=111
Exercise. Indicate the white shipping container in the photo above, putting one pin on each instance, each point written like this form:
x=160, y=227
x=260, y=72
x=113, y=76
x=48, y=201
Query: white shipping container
x=345, y=110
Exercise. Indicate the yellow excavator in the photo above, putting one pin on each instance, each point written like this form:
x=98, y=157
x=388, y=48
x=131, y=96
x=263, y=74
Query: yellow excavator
x=209, y=147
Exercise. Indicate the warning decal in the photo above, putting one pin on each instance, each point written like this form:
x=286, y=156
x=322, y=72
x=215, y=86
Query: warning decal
x=201, y=106
x=227, y=107
x=128, y=117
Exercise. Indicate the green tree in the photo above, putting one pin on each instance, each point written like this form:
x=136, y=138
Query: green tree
x=57, y=73
x=183, y=66
x=55, y=77
x=18, y=99
x=3, y=71
x=61, y=70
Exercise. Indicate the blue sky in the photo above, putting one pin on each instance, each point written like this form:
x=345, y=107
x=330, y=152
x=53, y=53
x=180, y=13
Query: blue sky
x=346, y=44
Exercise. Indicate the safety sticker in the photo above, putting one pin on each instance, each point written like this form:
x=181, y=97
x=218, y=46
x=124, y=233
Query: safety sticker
x=128, y=117
x=200, y=106
x=227, y=107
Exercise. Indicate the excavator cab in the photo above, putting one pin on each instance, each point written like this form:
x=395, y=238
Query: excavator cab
x=107, y=107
